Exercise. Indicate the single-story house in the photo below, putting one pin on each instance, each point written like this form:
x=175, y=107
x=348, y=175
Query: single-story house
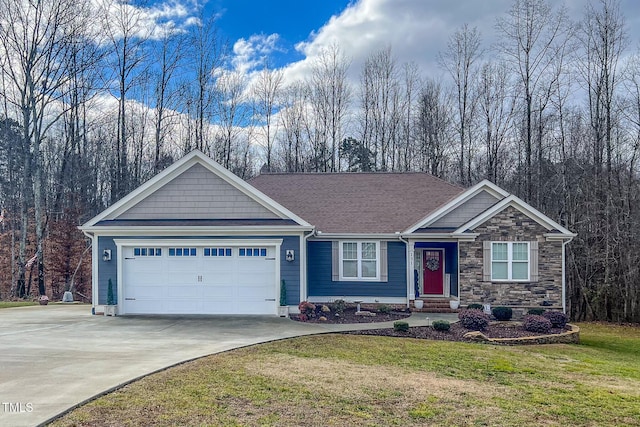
x=196, y=239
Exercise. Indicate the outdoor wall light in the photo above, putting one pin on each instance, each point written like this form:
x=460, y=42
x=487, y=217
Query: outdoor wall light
x=290, y=255
x=106, y=255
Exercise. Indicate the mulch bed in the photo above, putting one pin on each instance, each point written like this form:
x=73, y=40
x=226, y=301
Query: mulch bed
x=349, y=316
x=455, y=333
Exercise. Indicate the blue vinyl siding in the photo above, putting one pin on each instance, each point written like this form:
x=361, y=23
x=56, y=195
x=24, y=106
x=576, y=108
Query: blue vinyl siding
x=289, y=271
x=319, y=274
x=450, y=260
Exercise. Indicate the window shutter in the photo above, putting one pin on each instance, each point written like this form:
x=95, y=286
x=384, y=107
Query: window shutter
x=486, y=261
x=533, y=261
x=335, y=261
x=384, y=268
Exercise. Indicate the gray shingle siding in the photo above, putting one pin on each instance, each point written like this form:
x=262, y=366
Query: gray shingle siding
x=463, y=213
x=319, y=274
x=195, y=194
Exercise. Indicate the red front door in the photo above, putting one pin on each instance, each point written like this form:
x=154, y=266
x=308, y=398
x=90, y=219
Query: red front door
x=433, y=272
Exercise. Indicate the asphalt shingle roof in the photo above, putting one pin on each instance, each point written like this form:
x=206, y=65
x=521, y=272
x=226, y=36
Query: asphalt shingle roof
x=358, y=202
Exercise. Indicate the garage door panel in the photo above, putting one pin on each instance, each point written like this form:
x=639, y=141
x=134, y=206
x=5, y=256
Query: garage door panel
x=200, y=284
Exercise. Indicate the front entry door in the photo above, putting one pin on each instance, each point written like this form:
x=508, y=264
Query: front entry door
x=433, y=272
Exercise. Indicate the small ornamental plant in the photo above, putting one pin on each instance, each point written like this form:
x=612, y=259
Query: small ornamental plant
x=535, y=323
x=475, y=306
x=307, y=310
x=441, y=325
x=338, y=306
x=401, y=326
x=536, y=311
x=473, y=319
x=557, y=318
x=502, y=313
x=384, y=309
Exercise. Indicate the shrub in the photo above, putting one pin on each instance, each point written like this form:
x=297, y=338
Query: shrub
x=557, y=318
x=384, y=309
x=475, y=306
x=441, y=325
x=535, y=323
x=307, y=308
x=283, y=293
x=536, y=311
x=502, y=313
x=338, y=306
x=473, y=319
x=400, y=326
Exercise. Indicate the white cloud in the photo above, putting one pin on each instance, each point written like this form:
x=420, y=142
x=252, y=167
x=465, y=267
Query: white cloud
x=253, y=53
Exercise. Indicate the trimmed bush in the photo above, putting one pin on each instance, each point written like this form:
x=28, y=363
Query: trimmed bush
x=535, y=323
x=502, y=313
x=400, y=326
x=475, y=306
x=536, y=311
x=441, y=325
x=557, y=318
x=307, y=308
x=473, y=319
x=338, y=306
x=384, y=309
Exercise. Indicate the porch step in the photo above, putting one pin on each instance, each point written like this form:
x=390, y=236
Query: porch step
x=434, y=306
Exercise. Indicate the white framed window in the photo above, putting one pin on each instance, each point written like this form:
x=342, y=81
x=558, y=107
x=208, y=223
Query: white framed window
x=252, y=252
x=182, y=252
x=217, y=252
x=510, y=261
x=147, y=252
x=359, y=261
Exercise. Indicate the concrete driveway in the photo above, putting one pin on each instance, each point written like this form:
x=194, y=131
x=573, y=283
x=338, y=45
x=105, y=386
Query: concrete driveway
x=57, y=356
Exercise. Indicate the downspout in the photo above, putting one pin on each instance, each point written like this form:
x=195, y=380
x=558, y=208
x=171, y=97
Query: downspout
x=408, y=269
x=304, y=289
x=94, y=272
x=564, y=279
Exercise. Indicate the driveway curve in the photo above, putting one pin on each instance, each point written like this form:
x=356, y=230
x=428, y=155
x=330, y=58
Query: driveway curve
x=57, y=356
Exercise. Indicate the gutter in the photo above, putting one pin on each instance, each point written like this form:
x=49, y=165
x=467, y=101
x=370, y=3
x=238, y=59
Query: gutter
x=304, y=289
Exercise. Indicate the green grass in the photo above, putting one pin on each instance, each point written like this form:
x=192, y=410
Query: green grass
x=11, y=304
x=364, y=380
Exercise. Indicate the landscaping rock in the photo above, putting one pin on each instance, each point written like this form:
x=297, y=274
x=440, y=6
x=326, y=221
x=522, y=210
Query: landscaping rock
x=475, y=336
x=365, y=313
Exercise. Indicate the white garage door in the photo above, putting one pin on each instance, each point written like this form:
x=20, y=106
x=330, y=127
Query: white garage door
x=188, y=279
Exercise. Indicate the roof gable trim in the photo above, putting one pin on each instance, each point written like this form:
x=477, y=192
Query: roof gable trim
x=177, y=169
x=484, y=185
x=520, y=205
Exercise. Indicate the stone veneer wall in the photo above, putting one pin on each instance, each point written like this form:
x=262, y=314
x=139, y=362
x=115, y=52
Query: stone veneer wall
x=512, y=225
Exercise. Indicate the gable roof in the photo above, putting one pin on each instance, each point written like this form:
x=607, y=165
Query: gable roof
x=164, y=178
x=358, y=203
x=522, y=206
x=461, y=199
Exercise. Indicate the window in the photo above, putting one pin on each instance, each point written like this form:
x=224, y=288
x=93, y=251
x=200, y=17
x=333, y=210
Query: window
x=147, y=252
x=359, y=261
x=510, y=261
x=217, y=252
x=182, y=251
x=247, y=252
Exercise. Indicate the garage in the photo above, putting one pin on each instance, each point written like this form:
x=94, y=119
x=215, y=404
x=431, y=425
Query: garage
x=184, y=277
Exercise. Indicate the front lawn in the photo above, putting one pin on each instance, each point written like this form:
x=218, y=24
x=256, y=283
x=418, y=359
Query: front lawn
x=364, y=380
x=10, y=304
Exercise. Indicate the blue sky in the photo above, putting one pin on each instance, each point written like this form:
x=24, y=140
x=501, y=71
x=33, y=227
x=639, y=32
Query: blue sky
x=292, y=20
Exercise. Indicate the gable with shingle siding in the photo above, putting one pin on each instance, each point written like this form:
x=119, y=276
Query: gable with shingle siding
x=197, y=193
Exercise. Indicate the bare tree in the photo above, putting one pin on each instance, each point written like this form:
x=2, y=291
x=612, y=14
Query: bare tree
x=266, y=91
x=37, y=47
x=531, y=35
x=463, y=51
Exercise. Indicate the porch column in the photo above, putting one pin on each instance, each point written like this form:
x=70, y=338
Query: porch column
x=411, y=247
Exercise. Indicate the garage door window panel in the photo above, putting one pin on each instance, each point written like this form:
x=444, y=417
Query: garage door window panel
x=218, y=252
x=182, y=252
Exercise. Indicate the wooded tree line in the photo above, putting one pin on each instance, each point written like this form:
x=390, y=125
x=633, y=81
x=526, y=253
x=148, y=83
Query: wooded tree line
x=95, y=102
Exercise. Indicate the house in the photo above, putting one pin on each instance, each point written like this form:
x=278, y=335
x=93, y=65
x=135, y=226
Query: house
x=196, y=239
